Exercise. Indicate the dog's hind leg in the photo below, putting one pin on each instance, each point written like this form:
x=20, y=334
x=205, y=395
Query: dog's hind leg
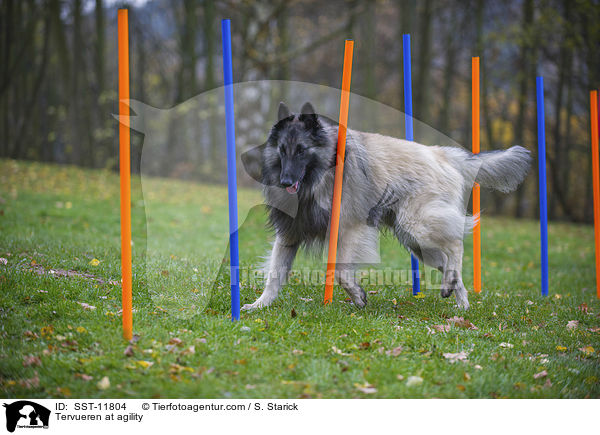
x=356, y=246
x=278, y=268
x=452, y=280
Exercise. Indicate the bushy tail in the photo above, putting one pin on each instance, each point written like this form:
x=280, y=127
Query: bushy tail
x=503, y=170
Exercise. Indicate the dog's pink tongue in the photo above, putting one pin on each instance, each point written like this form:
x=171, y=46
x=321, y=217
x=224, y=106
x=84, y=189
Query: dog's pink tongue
x=292, y=189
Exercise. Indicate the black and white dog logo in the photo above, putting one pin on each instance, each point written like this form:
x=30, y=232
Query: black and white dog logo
x=26, y=414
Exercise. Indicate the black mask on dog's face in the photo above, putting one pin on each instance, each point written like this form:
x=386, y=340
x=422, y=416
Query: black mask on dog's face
x=295, y=138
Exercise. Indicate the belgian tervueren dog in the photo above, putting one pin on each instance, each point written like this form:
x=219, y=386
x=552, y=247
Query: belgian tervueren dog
x=418, y=192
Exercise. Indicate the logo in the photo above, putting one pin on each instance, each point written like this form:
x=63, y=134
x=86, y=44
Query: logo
x=26, y=414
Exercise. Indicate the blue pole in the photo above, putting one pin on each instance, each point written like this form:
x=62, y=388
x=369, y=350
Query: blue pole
x=408, y=126
x=542, y=179
x=231, y=171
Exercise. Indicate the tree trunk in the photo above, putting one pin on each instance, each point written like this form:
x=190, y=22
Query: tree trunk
x=525, y=73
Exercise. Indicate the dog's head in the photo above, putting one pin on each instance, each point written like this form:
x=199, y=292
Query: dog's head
x=297, y=151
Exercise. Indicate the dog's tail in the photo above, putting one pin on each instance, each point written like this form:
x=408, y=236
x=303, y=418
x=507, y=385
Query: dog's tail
x=502, y=170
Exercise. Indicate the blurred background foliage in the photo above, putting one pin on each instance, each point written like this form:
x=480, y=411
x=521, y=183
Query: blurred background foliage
x=58, y=73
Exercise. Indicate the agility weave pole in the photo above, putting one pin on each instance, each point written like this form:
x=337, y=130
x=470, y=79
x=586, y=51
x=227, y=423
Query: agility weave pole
x=408, y=127
x=125, y=171
x=596, y=181
x=539, y=82
x=339, y=171
x=231, y=171
x=476, y=189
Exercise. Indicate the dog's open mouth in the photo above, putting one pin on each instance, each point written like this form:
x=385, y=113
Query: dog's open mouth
x=293, y=188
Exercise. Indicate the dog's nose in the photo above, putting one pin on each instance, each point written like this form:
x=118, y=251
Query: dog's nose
x=286, y=180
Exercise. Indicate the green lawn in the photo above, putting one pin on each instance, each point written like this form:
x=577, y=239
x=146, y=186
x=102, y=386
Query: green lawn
x=56, y=218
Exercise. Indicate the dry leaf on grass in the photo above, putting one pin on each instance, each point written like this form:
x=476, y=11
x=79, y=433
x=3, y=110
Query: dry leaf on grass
x=366, y=388
x=31, y=360
x=439, y=328
x=540, y=375
x=414, y=380
x=572, y=324
x=104, y=383
x=128, y=351
x=86, y=306
x=461, y=322
x=453, y=357
x=395, y=351
x=339, y=351
x=84, y=377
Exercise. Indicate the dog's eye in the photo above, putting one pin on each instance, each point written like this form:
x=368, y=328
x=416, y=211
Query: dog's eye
x=299, y=150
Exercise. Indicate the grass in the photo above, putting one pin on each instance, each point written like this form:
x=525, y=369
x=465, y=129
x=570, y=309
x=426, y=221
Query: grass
x=63, y=218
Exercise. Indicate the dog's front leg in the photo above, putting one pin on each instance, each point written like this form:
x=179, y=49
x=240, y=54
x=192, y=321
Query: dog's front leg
x=278, y=267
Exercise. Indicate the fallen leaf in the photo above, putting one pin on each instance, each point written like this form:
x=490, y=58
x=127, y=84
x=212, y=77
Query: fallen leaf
x=94, y=262
x=400, y=377
x=339, y=352
x=81, y=330
x=297, y=352
x=293, y=313
x=30, y=383
x=31, y=335
x=31, y=360
x=128, y=351
x=561, y=348
x=104, y=383
x=466, y=376
x=365, y=345
x=572, y=324
x=453, y=357
x=306, y=299
x=189, y=351
x=366, y=388
x=47, y=331
x=86, y=306
x=65, y=391
x=414, y=380
x=583, y=308
x=461, y=323
x=506, y=345
x=395, y=351
x=144, y=364
x=441, y=328
x=540, y=375
x=588, y=350
x=175, y=341
x=84, y=377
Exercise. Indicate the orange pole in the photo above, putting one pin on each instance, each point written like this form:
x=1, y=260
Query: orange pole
x=596, y=181
x=476, y=190
x=339, y=172
x=125, y=171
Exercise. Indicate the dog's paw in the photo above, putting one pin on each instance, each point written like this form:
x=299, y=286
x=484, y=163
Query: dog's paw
x=446, y=292
x=360, y=300
x=249, y=307
x=259, y=303
x=463, y=304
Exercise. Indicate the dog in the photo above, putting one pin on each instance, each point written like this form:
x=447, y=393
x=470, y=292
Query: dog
x=418, y=192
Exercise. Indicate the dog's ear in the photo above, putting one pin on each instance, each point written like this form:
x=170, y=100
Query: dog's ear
x=253, y=162
x=308, y=109
x=283, y=111
x=308, y=116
